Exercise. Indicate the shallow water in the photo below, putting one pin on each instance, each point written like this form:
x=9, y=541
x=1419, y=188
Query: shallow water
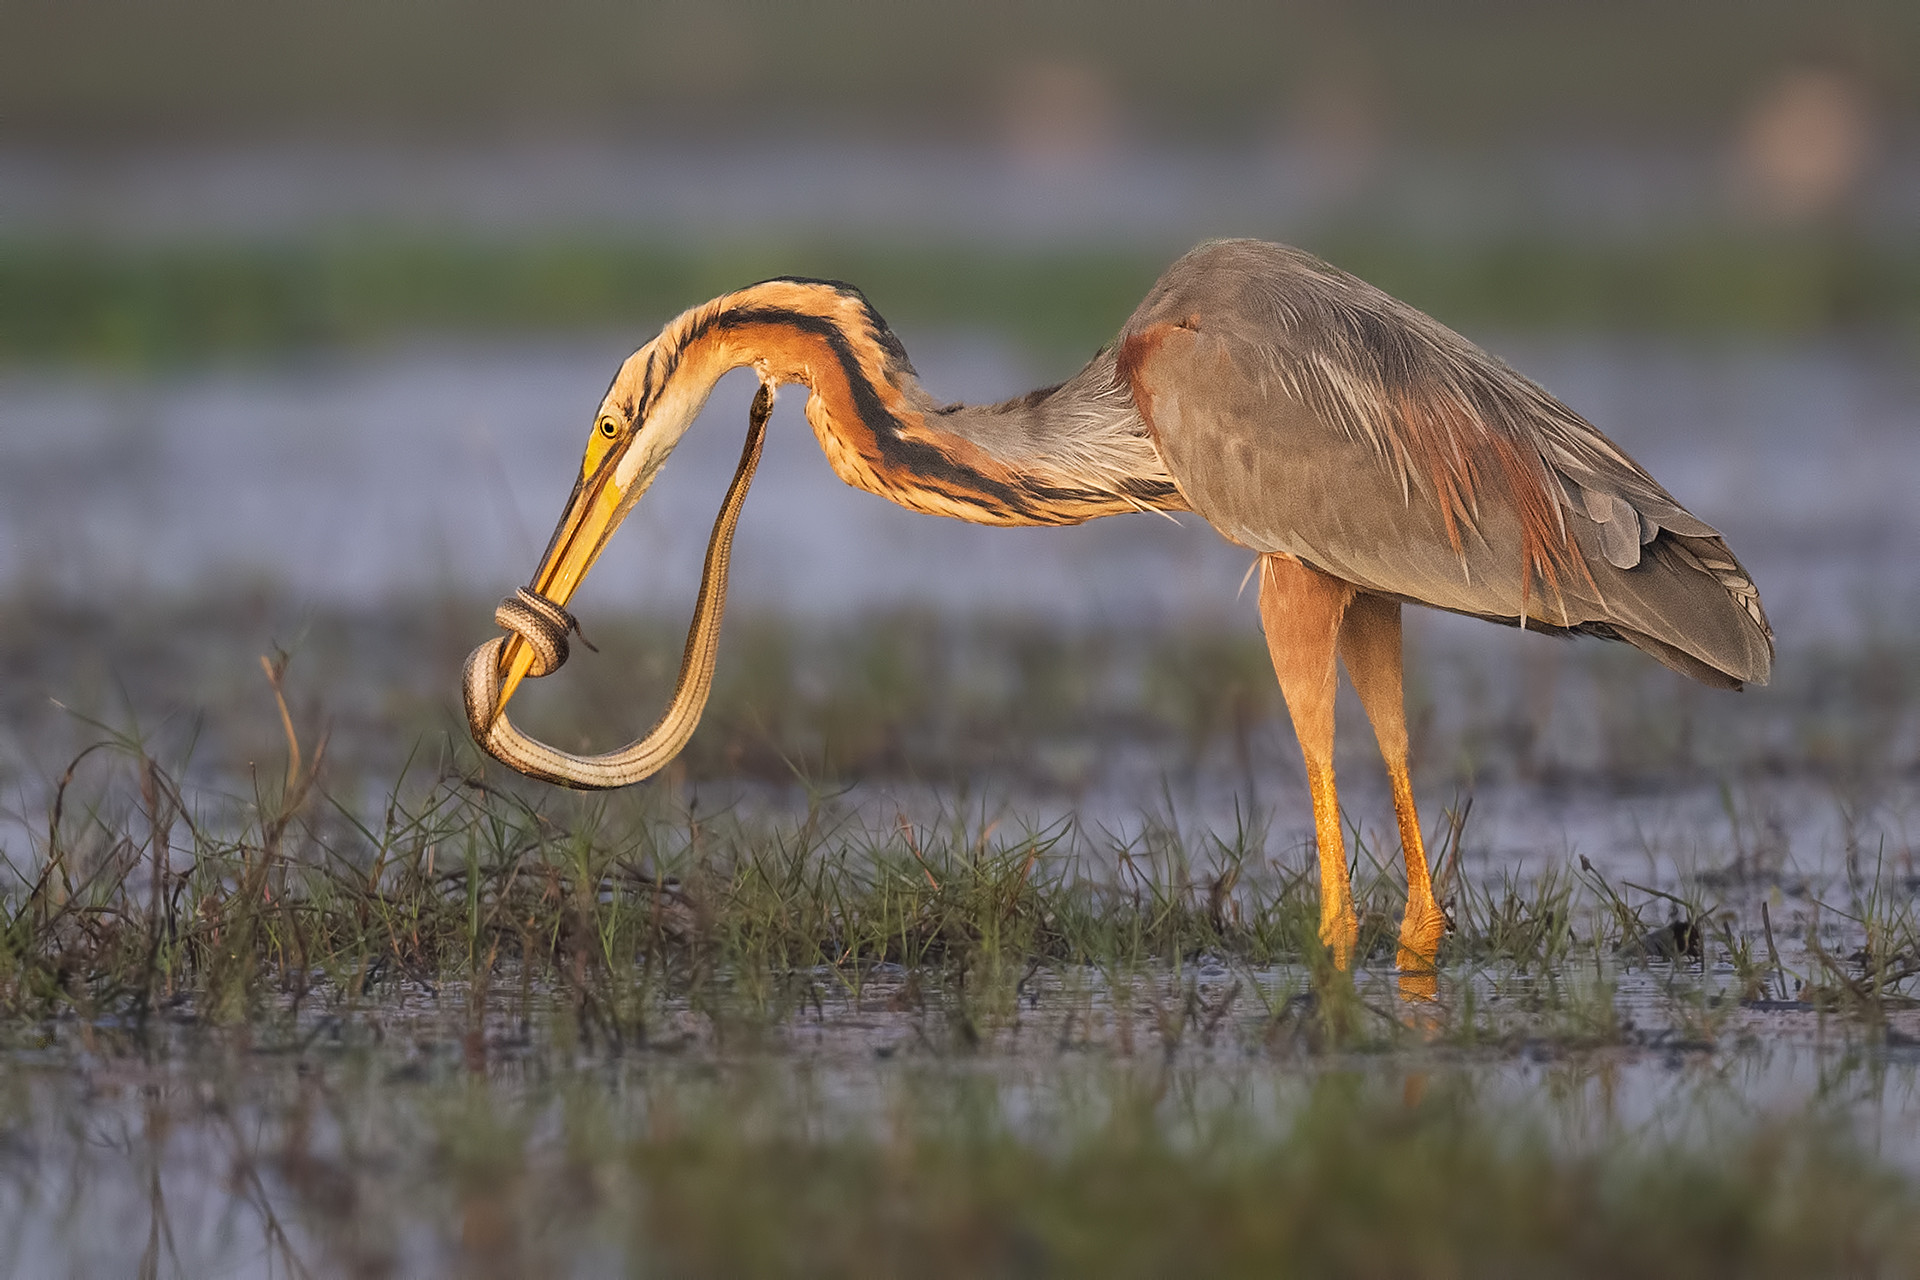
x=352, y=479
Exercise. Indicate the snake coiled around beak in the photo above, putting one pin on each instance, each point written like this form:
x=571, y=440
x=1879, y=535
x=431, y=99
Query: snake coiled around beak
x=545, y=625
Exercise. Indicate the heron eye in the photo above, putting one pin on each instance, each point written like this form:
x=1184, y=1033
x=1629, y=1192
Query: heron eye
x=610, y=428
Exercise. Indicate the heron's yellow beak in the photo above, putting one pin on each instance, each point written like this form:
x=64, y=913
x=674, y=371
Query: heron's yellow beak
x=592, y=514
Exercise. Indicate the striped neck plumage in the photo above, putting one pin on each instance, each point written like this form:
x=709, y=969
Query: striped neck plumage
x=1056, y=456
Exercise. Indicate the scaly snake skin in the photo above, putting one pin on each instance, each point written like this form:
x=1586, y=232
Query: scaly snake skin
x=544, y=625
x=540, y=622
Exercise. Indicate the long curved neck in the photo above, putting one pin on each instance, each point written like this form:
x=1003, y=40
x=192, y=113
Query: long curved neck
x=1055, y=456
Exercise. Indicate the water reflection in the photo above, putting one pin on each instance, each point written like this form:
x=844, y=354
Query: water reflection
x=374, y=1142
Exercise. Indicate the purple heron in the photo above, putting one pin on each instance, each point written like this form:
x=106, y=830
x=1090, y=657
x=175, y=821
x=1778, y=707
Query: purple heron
x=1365, y=453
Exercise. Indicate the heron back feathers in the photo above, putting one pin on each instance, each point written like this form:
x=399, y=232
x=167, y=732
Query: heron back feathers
x=1306, y=412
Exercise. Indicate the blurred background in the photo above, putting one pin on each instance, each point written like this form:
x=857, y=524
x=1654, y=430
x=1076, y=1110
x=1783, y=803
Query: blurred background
x=327, y=293
x=313, y=303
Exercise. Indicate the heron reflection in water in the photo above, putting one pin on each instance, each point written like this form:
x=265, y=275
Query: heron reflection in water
x=1368, y=455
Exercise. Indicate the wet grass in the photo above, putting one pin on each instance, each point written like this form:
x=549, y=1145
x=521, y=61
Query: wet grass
x=1045, y=808
x=133, y=893
x=234, y=908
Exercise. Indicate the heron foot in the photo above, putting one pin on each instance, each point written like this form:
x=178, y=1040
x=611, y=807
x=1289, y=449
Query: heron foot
x=1420, y=932
x=1419, y=987
x=1339, y=931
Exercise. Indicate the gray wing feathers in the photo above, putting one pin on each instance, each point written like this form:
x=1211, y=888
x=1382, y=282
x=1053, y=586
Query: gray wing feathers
x=1619, y=522
x=1283, y=396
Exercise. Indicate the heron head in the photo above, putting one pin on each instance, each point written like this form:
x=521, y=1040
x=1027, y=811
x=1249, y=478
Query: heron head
x=652, y=402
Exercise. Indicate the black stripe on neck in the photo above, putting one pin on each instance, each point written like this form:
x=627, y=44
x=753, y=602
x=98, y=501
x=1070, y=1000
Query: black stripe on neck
x=899, y=454
x=883, y=334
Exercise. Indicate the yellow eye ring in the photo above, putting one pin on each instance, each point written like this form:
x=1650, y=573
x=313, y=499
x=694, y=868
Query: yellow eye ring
x=609, y=428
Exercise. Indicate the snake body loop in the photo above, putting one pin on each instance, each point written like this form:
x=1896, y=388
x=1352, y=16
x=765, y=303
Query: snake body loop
x=544, y=625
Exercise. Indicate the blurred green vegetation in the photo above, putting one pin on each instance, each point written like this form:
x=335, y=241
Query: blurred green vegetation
x=155, y=305
x=123, y=70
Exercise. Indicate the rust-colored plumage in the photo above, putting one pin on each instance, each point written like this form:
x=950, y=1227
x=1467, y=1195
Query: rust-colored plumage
x=879, y=430
x=1369, y=455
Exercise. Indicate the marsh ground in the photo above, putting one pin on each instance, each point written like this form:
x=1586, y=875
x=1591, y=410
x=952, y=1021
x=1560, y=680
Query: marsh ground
x=951, y=945
x=959, y=939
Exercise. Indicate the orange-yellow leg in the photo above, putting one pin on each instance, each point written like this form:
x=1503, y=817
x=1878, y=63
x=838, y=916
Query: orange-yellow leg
x=1301, y=610
x=1370, y=646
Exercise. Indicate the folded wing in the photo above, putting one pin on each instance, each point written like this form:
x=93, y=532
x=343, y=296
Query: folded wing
x=1303, y=411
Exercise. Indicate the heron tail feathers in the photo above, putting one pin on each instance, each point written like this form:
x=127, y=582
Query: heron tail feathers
x=1690, y=605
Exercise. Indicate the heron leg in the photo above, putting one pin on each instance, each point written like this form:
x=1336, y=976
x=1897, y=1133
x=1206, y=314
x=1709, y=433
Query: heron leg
x=1370, y=646
x=1301, y=610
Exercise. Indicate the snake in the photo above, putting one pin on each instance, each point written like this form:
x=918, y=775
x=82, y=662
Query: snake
x=544, y=625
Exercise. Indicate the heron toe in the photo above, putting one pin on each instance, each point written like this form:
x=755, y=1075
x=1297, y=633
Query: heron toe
x=1339, y=931
x=1420, y=932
